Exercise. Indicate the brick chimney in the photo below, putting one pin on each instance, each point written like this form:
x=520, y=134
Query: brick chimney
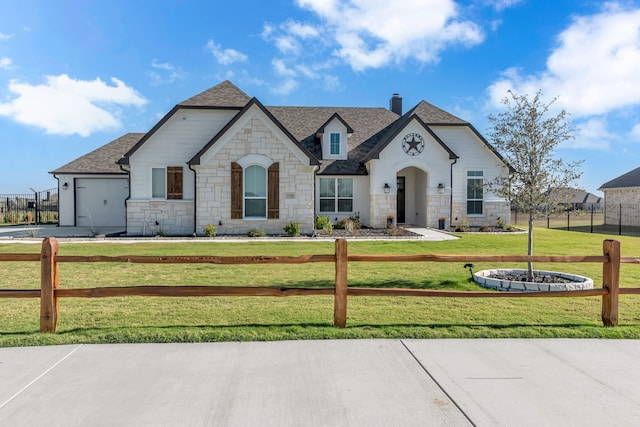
x=395, y=104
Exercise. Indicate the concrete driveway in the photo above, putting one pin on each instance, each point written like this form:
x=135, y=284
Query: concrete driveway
x=483, y=382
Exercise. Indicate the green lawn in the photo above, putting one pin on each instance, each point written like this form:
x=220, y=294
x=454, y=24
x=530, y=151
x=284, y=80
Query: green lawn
x=138, y=319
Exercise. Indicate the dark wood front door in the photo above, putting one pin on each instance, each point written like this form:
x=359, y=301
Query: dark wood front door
x=400, y=200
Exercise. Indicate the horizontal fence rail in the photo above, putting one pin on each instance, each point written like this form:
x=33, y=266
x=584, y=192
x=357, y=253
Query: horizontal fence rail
x=50, y=293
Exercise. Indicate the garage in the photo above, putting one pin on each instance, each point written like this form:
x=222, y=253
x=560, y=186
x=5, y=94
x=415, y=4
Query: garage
x=100, y=202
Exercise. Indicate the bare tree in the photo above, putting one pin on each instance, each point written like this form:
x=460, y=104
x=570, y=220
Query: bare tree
x=527, y=135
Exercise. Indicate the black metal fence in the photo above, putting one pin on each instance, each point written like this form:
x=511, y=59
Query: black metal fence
x=613, y=220
x=35, y=208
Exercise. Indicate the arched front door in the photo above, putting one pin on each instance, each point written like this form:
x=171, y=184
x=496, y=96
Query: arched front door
x=411, y=200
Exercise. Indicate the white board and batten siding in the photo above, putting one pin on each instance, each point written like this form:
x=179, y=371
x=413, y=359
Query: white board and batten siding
x=174, y=144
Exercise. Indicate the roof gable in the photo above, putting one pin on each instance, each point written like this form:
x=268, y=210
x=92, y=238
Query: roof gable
x=102, y=160
x=335, y=116
x=401, y=124
x=195, y=160
x=629, y=179
x=223, y=95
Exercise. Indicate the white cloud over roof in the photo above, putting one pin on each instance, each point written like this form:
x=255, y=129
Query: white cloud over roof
x=66, y=106
x=593, y=69
x=225, y=56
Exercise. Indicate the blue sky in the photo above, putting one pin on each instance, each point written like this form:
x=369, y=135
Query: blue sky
x=76, y=74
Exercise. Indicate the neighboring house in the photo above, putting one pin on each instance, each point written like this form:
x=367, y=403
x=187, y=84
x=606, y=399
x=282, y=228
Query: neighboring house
x=622, y=199
x=578, y=199
x=223, y=158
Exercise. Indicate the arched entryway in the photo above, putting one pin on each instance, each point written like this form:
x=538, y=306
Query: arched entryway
x=411, y=199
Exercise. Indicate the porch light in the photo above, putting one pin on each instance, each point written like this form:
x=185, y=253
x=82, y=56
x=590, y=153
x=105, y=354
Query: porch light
x=65, y=186
x=386, y=188
x=440, y=188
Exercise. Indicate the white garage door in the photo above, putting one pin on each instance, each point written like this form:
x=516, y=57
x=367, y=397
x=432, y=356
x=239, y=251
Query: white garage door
x=100, y=202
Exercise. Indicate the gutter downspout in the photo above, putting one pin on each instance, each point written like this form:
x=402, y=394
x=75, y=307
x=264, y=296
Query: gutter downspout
x=451, y=195
x=126, y=216
x=195, y=201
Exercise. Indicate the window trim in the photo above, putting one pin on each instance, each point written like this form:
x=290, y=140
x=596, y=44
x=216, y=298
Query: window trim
x=337, y=144
x=467, y=199
x=164, y=175
x=266, y=192
x=336, y=197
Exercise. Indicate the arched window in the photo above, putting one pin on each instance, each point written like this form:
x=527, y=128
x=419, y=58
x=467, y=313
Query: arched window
x=255, y=192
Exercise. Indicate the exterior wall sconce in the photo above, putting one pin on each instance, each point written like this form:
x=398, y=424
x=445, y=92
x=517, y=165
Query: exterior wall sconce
x=65, y=185
x=387, y=189
x=440, y=188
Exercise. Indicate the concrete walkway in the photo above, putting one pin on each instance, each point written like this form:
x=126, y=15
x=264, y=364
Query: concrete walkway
x=36, y=233
x=509, y=382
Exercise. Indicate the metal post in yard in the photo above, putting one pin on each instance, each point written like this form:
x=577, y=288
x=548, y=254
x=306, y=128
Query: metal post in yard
x=568, y=220
x=591, y=218
x=620, y=222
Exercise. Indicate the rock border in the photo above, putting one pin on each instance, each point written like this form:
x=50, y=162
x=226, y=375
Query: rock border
x=579, y=282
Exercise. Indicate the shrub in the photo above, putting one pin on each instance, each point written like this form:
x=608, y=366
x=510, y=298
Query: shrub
x=210, y=230
x=292, y=229
x=463, y=226
x=324, y=223
x=355, y=220
x=257, y=232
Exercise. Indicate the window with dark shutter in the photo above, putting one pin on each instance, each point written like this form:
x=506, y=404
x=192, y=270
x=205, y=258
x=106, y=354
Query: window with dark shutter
x=273, y=185
x=174, y=182
x=236, y=191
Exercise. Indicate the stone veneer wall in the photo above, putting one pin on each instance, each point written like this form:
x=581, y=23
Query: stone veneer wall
x=213, y=183
x=492, y=211
x=173, y=217
x=629, y=198
x=381, y=206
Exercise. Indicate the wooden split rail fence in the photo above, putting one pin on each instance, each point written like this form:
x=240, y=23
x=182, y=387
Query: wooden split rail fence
x=50, y=293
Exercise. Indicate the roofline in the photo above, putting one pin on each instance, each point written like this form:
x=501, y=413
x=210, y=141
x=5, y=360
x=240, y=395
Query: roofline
x=87, y=173
x=402, y=123
x=195, y=160
x=125, y=158
x=335, y=115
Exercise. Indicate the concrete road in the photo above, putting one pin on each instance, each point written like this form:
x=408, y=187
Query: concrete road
x=324, y=383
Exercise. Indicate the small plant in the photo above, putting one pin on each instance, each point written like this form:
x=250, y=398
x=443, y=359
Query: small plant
x=292, y=229
x=257, y=232
x=485, y=229
x=463, y=226
x=355, y=220
x=210, y=230
x=324, y=223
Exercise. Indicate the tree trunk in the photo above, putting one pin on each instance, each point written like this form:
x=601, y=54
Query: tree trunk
x=530, y=247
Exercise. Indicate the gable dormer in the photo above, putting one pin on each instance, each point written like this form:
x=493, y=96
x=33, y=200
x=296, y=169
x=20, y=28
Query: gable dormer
x=333, y=138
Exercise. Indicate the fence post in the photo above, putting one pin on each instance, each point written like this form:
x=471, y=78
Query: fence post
x=611, y=281
x=49, y=309
x=340, y=297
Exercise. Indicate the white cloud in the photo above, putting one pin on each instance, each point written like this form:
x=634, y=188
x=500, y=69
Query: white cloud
x=374, y=33
x=635, y=133
x=225, y=56
x=6, y=63
x=167, y=73
x=66, y=106
x=502, y=4
x=592, y=134
x=594, y=69
x=4, y=37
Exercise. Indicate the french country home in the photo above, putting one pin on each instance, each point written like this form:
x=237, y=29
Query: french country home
x=223, y=158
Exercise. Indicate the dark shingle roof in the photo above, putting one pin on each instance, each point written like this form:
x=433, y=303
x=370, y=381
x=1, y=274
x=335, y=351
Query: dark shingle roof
x=629, y=179
x=430, y=114
x=304, y=122
x=223, y=95
x=102, y=160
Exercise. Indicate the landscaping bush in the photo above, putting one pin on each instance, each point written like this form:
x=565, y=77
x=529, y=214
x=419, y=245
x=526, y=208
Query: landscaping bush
x=257, y=232
x=324, y=223
x=292, y=229
x=210, y=230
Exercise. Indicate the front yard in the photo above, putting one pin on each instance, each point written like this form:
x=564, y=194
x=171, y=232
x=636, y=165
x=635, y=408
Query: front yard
x=153, y=319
